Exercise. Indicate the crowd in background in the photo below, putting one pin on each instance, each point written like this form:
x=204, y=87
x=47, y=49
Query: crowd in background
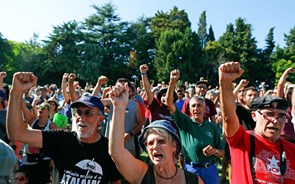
x=48, y=108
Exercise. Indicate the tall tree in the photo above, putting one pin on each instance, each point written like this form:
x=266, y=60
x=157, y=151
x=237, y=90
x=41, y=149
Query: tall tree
x=63, y=49
x=176, y=20
x=5, y=52
x=202, y=30
x=175, y=50
x=270, y=43
x=211, y=36
x=107, y=51
x=141, y=44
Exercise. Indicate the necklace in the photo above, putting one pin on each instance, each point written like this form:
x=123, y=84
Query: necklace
x=166, y=178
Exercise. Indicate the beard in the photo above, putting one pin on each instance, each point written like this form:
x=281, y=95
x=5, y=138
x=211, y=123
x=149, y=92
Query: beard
x=89, y=132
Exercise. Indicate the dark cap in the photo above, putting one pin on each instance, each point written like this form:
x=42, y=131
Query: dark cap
x=203, y=82
x=269, y=101
x=89, y=101
x=164, y=124
x=164, y=90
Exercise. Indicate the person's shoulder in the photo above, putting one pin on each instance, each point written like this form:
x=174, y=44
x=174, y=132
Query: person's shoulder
x=287, y=144
x=60, y=133
x=103, y=141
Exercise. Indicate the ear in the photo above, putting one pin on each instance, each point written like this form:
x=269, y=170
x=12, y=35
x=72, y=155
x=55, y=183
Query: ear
x=253, y=114
x=174, y=146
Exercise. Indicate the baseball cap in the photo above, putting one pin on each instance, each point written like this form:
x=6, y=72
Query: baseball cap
x=89, y=101
x=164, y=124
x=269, y=101
x=52, y=99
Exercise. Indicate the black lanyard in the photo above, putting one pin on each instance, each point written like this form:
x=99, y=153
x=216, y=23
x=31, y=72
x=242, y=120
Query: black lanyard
x=252, y=158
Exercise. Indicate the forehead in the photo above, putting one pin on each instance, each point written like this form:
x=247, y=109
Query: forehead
x=195, y=101
x=251, y=91
x=201, y=84
x=154, y=135
x=280, y=111
x=85, y=108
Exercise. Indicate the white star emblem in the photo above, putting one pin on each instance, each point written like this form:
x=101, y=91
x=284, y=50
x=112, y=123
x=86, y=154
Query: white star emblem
x=273, y=161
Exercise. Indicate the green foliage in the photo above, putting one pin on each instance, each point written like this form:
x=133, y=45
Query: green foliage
x=102, y=44
x=280, y=66
x=175, y=20
x=5, y=52
x=202, y=30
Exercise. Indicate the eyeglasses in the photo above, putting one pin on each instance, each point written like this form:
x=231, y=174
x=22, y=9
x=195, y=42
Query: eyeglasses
x=271, y=116
x=87, y=113
x=179, y=91
x=150, y=144
x=202, y=87
x=22, y=178
x=42, y=107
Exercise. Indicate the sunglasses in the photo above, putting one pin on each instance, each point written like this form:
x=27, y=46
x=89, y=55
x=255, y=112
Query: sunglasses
x=22, y=178
x=42, y=107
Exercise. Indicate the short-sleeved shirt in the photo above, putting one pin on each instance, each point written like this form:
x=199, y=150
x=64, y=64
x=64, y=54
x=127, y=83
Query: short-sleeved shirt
x=267, y=156
x=79, y=162
x=159, y=111
x=195, y=137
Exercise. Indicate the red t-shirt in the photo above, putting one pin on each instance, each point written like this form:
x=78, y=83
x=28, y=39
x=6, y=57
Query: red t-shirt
x=267, y=162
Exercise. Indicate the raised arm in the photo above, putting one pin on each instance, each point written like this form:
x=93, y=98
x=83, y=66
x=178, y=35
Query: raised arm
x=123, y=159
x=174, y=76
x=64, y=86
x=100, y=81
x=228, y=72
x=146, y=83
x=242, y=83
x=2, y=76
x=72, y=89
x=282, y=81
x=29, y=116
x=17, y=129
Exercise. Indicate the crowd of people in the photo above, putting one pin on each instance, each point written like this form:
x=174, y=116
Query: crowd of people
x=152, y=133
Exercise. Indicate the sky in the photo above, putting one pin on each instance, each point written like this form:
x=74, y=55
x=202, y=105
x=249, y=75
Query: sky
x=20, y=19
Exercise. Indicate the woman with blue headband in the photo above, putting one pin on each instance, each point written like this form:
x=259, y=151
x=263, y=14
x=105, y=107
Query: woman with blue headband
x=159, y=139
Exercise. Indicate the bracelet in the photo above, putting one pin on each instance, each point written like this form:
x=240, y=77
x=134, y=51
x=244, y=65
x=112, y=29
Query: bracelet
x=143, y=74
x=130, y=132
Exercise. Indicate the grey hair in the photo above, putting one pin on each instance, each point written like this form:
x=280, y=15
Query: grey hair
x=198, y=98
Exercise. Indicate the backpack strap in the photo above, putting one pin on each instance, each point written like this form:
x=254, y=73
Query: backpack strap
x=252, y=158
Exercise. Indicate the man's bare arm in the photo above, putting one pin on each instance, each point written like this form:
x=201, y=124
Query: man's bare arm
x=228, y=72
x=16, y=128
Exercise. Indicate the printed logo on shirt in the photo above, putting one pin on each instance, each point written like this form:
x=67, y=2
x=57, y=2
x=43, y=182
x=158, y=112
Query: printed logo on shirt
x=209, y=134
x=267, y=168
x=87, y=171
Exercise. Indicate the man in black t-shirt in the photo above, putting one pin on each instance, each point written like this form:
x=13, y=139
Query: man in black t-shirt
x=80, y=156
